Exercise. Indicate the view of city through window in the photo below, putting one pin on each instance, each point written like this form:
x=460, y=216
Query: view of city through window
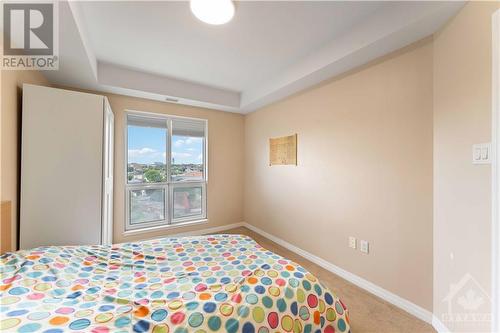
x=147, y=156
x=147, y=165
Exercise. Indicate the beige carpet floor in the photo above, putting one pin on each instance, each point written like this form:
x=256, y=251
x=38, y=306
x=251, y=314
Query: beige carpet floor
x=368, y=313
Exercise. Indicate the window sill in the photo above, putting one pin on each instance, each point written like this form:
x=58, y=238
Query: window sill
x=164, y=227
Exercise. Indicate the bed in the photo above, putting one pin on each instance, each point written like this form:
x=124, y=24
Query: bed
x=217, y=283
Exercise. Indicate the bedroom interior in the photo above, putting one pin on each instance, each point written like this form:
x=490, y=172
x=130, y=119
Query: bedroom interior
x=251, y=166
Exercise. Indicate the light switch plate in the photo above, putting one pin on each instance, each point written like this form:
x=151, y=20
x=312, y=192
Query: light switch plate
x=481, y=153
x=352, y=242
x=364, y=246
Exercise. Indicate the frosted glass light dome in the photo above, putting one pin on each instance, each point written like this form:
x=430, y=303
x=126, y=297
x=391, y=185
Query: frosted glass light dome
x=214, y=12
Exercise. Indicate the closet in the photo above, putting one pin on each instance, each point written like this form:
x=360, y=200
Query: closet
x=66, y=168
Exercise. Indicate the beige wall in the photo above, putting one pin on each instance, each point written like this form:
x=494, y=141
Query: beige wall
x=364, y=170
x=462, y=117
x=225, y=154
x=12, y=82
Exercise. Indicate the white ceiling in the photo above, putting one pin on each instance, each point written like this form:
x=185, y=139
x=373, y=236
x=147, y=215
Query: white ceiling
x=269, y=50
x=262, y=39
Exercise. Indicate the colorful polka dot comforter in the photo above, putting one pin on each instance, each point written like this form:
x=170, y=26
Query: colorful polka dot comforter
x=220, y=283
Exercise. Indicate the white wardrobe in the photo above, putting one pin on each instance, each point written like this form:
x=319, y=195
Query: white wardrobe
x=66, y=168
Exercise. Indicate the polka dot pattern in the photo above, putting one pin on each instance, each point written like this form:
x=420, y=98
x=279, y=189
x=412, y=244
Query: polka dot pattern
x=220, y=283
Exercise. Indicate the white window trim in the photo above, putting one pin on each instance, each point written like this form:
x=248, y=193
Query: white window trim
x=169, y=222
x=164, y=227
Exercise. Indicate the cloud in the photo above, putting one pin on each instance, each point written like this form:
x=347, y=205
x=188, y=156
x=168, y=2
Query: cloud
x=179, y=143
x=188, y=141
x=181, y=155
x=200, y=157
x=146, y=155
x=141, y=152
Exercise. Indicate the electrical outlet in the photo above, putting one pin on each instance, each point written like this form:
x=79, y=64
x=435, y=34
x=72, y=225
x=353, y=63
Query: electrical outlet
x=364, y=246
x=481, y=153
x=352, y=242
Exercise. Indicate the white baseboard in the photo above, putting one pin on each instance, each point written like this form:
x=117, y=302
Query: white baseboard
x=386, y=295
x=439, y=326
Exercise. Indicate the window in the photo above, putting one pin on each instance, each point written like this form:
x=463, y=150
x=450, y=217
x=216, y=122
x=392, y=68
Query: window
x=166, y=170
x=188, y=139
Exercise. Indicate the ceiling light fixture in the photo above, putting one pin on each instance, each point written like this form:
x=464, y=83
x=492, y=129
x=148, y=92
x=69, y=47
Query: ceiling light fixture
x=214, y=12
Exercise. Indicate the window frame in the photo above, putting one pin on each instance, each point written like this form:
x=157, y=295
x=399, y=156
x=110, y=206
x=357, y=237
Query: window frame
x=148, y=224
x=169, y=185
x=189, y=184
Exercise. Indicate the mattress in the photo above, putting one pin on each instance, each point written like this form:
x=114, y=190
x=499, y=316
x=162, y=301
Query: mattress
x=219, y=283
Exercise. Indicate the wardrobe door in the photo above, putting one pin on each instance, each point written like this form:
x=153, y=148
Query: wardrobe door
x=107, y=204
x=61, y=167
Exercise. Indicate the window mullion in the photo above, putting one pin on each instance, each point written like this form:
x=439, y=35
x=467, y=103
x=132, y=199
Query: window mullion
x=168, y=205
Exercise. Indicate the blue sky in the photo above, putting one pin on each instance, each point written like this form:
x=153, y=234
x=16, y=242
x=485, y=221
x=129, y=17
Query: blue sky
x=146, y=145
